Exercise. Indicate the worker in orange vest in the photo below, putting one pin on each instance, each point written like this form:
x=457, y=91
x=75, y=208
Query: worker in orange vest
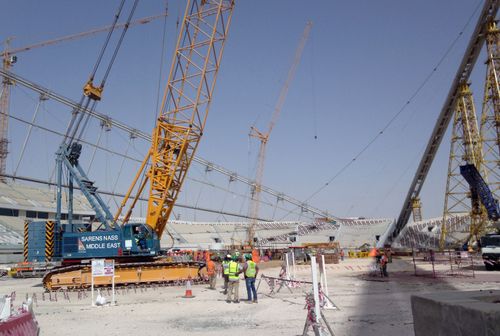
x=212, y=276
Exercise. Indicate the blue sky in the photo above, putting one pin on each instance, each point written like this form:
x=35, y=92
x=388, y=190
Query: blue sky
x=362, y=62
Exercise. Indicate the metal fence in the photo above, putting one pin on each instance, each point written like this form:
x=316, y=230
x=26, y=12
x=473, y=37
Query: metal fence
x=445, y=264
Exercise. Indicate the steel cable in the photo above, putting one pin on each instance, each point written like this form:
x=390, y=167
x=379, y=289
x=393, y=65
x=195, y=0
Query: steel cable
x=118, y=45
x=103, y=49
x=401, y=110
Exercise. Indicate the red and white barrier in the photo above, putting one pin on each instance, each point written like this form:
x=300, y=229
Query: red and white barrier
x=23, y=324
x=18, y=323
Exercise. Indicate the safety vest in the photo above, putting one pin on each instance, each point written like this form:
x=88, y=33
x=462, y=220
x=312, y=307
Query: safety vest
x=233, y=270
x=225, y=266
x=210, y=267
x=251, y=271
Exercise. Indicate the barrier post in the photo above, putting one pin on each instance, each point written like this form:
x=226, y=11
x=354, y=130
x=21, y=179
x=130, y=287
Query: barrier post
x=451, y=262
x=324, y=286
x=287, y=266
x=433, y=270
x=321, y=260
x=314, y=275
x=113, y=290
x=92, y=289
x=472, y=264
x=414, y=264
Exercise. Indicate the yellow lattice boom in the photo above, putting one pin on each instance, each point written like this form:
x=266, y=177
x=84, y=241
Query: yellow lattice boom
x=184, y=109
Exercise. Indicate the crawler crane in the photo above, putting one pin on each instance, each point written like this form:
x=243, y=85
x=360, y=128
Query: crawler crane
x=135, y=246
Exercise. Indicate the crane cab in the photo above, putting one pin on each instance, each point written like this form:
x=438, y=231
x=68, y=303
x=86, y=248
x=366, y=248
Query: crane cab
x=140, y=239
x=130, y=240
x=52, y=241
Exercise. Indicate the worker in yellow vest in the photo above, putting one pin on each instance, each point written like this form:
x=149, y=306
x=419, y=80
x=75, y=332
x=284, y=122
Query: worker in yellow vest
x=250, y=270
x=235, y=269
x=225, y=271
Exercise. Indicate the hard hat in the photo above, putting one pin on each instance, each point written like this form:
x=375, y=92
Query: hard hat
x=228, y=256
x=235, y=258
x=248, y=256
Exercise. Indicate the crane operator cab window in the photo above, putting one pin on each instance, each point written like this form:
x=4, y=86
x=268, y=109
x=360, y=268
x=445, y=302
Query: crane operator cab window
x=140, y=239
x=140, y=235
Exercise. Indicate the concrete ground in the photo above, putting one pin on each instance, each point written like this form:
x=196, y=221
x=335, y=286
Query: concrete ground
x=368, y=305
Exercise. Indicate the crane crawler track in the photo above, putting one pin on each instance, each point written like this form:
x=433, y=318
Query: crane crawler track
x=76, y=277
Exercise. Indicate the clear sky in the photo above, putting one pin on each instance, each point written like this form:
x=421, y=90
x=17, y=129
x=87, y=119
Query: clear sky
x=361, y=64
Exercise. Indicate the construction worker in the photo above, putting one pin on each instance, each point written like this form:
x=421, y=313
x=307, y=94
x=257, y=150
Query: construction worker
x=235, y=269
x=383, y=264
x=250, y=269
x=225, y=271
x=140, y=238
x=212, y=276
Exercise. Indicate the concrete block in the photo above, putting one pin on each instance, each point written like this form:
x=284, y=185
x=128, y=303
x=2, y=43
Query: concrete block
x=457, y=313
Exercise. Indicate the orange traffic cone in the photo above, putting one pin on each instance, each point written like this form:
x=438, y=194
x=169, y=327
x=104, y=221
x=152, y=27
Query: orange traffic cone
x=189, y=292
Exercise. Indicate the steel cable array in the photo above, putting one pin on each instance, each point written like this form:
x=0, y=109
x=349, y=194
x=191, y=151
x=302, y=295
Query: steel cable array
x=398, y=113
x=139, y=134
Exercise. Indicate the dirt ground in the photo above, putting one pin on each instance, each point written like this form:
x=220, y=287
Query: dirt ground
x=368, y=305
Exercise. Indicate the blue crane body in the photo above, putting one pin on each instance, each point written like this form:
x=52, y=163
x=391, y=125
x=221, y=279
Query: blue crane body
x=76, y=240
x=480, y=189
x=490, y=243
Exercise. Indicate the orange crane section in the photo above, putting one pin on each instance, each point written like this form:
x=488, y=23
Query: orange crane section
x=184, y=110
x=264, y=137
